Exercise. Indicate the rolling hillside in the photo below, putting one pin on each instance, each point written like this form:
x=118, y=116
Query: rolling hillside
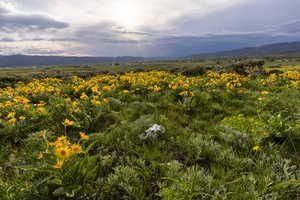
x=287, y=49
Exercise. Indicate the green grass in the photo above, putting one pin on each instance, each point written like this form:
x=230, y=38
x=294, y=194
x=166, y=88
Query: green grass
x=121, y=68
x=220, y=140
x=173, y=66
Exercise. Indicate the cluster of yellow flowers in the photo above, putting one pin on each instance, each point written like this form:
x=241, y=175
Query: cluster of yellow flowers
x=293, y=76
x=63, y=149
x=154, y=81
x=187, y=93
x=271, y=79
x=67, y=122
x=11, y=117
x=263, y=97
x=25, y=100
x=231, y=80
x=94, y=89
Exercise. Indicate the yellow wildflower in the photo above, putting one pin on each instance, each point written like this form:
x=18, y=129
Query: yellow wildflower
x=62, y=138
x=95, y=102
x=41, y=109
x=19, y=99
x=75, y=104
x=186, y=86
x=174, y=87
x=68, y=122
x=58, y=164
x=61, y=141
x=11, y=115
x=42, y=134
x=67, y=100
x=264, y=92
x=256, y=148
x=261, y=98
x=40, y=156
x=107, y=88
x=62, y=152
x=294, y=83
x=83, y=96
x=94, y=89
x=76, y=148
x=186, y=93
x=12, y=120
x=156, y=88
x=26, y=106
x=83, y=136
x=55, y=144
x=22, y=118
x=41, y=104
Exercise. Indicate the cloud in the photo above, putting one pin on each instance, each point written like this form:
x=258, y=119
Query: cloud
x=13, y=22
x=43, y=51
x=3, y=11
x=258, y=16
x=7, y=39
x=108, y=32
x=292, y=27
x=145, y=28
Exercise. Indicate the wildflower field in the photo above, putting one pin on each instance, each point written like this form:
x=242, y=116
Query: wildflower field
x=225, y=136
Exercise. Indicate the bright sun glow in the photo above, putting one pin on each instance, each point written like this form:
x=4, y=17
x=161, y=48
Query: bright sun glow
x=127, y=14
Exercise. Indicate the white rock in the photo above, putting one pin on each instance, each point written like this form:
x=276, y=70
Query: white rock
x=153, y=132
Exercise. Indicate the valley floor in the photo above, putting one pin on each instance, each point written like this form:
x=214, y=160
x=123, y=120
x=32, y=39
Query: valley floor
x=218, y=136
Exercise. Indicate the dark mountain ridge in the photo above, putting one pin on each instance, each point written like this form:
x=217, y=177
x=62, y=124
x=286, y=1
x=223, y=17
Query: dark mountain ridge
x=24, y=60
x=284, y=49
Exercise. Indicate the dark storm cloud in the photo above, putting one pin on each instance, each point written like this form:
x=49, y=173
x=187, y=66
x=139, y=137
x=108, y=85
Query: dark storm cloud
x=247, y=16
x=10, y=21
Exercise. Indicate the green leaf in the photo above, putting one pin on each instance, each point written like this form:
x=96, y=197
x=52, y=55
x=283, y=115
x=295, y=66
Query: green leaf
x=283, y=185
x=55, y=182
x=43, y=181
x=89, y=147
x=68, y=191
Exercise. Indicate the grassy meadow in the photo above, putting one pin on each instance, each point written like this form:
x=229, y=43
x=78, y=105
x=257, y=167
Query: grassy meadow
x=223, y=135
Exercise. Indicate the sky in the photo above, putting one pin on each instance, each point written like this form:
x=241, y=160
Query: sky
x=143, y=28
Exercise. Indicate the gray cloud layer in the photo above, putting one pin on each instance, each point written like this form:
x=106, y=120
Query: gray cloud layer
x=3, y=11
x=10, y=21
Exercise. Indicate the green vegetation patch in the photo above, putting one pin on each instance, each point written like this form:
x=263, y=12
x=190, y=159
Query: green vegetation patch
x=152, y=135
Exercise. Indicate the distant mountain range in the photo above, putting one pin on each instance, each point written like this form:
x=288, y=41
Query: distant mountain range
x=284, y=49
x=24, y=60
